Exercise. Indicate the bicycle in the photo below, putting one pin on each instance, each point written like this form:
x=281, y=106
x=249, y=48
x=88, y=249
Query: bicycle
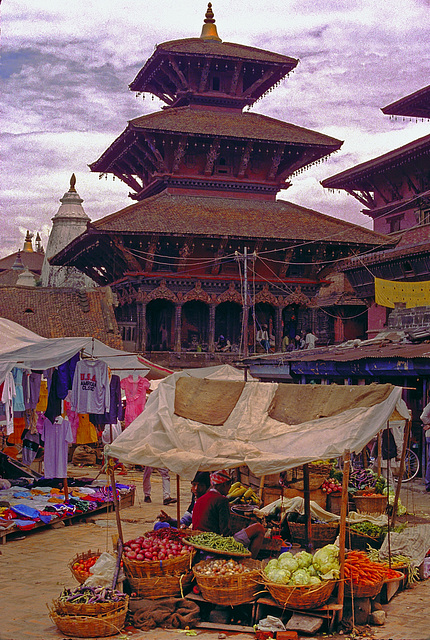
x=412, y=466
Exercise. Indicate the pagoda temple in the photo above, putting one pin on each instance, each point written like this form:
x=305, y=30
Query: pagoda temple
x=206, y=226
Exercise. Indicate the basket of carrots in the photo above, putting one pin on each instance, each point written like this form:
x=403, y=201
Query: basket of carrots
x=363, y=578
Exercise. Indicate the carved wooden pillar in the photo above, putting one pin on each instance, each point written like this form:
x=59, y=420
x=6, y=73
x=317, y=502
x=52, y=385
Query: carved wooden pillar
x=278, y=328
x=211, y=341
x=141, y=327
x=178, y=327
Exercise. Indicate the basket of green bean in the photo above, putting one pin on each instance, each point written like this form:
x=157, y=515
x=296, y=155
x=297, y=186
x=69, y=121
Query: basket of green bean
x=215, y=543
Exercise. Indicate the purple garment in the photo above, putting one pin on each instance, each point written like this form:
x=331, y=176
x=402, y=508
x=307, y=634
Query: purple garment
x=31, y=385
x=66, y=372
x=115, y=411
x=56, y=439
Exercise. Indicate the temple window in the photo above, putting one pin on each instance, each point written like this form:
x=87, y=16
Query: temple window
x=424, y=216
x=394, y=223
x=216, y=83
x=222, y=166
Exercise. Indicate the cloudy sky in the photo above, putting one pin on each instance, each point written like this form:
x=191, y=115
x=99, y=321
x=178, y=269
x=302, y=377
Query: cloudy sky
x=66, y=69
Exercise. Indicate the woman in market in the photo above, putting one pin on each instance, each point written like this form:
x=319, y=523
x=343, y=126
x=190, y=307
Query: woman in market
x=211, y=512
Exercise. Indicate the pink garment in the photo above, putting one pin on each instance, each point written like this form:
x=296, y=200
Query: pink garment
x=135, y=393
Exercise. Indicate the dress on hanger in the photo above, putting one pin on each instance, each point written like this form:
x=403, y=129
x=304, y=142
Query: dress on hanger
x=56, y=437
x=135, y=393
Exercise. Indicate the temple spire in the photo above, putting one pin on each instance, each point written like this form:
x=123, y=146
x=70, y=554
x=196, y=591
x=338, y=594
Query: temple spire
x=73, y=183
x=28, y=245
x=209, y=30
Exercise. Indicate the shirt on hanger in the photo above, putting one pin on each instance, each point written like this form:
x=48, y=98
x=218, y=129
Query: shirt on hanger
x=56, y=437
x=90, y=392
x=18, y=400
x=7, y=397
x=135, y=393
x=31, y=385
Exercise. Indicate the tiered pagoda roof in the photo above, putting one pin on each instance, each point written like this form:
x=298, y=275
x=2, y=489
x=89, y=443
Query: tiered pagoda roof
x=415, y=105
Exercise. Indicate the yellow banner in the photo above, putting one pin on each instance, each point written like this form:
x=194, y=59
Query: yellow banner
x=413, y=294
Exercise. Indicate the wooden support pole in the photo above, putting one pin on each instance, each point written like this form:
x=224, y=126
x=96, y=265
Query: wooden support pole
x=261, y=489
x=342, y=530
x=307, y=499
x=401, y=471
x=178, y=498
x=111, y=472
x=379, y=453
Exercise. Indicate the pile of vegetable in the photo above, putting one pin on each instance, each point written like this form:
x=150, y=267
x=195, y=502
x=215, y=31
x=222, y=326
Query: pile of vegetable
x=303, y=568
x=221, y=543
x=91, y=595
x=331, y=485
x=366, y=479
x=82, y=567
x=223, y=567
x=397, y=561
x=239, y=493
x=163, y=544
x=373, y=530
x=361, y=570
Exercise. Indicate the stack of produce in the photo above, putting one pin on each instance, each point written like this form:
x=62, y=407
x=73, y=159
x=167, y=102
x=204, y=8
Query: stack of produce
x=158, y=563
x=398, y=561
x=225, y=545
x=88, y=612
x=82, y=564
x=363, y=577
x=228, y=581
x=240, y=494
x=303, y=581
x=331, y=485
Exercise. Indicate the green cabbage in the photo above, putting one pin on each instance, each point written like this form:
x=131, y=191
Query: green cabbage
x=279, y=575
x=304, y=559
x=300, y=577
x=326, y=560
x=314, y=580
x=290, y=564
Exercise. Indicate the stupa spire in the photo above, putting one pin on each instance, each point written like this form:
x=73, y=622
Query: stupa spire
x=209, y=30
x=28, y=245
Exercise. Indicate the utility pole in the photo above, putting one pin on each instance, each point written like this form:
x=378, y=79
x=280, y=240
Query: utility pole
x=245, y=258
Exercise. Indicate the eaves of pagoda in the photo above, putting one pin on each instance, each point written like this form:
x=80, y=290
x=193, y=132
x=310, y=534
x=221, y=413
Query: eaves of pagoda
x=414, y=105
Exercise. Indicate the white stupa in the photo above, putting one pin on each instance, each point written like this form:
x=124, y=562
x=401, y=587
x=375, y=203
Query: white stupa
x=67, y=224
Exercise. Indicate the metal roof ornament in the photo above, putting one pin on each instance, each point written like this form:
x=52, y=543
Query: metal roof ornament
x=209, y=30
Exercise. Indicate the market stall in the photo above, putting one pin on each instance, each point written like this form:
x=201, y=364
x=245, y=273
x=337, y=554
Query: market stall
x=192, y=423
x=48, y=389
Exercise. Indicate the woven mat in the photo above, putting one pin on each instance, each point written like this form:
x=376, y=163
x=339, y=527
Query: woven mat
x=206, y=401
x=297, y=403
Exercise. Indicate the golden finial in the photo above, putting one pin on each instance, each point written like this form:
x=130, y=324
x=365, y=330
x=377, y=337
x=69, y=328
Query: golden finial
x=28, y=245
x=209, y=31
x=72, y=182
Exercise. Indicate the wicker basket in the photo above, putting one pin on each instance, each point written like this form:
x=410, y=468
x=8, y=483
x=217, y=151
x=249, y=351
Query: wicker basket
x=357, y=540
x=79, y=558
x=301, y=597
x=362, y=590
x=88, y=609
x=372, y=505
x=108, y=624
x=170, y=586
x=229, y=590
x=146, y=569
x=321, y=533
x=317, y=474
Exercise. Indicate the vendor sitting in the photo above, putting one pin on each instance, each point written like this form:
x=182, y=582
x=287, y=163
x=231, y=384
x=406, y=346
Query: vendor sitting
x=199, y=485
x=211, y=512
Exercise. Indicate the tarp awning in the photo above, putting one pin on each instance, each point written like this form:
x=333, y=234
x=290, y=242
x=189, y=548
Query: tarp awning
x=25, y=349
x=250, y=434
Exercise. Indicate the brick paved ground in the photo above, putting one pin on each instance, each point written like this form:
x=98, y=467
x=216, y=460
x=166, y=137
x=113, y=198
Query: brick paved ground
x=33, y=571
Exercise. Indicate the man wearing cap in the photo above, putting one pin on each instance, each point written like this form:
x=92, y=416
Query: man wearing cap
x=211, y=512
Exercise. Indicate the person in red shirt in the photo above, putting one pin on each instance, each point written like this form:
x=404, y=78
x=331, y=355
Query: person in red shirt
x=211, y=512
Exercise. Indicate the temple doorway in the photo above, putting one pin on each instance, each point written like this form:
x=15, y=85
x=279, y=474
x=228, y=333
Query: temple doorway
x=159, y=319
x=195, y=326
x=228, y=316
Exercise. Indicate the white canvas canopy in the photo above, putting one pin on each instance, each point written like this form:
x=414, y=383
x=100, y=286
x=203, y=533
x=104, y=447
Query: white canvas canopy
x=349, y=417
x=20, y=347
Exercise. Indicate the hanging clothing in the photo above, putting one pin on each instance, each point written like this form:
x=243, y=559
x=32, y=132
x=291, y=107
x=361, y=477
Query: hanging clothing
x=66, y=373
x=18, y=399
x=18, y=427
x=31, y=385
x=7, y=396
x=90, y=392
x=56, y=436
x=135, y=393
x=115, y=410
x=30, y=447
x=43, y=396
x=54, y=402
x=86, y=432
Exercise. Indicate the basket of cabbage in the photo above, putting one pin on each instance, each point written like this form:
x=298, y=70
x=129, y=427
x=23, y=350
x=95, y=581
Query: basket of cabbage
x=303, y=581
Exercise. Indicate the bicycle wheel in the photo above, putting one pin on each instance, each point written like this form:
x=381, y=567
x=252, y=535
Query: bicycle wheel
x=412, y=465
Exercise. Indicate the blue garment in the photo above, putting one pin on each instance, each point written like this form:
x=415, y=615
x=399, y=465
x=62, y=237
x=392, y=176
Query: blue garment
x=66, y=372
x=26, y=511
x=18, y=400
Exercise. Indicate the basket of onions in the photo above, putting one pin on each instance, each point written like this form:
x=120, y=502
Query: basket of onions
x=227, y=581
